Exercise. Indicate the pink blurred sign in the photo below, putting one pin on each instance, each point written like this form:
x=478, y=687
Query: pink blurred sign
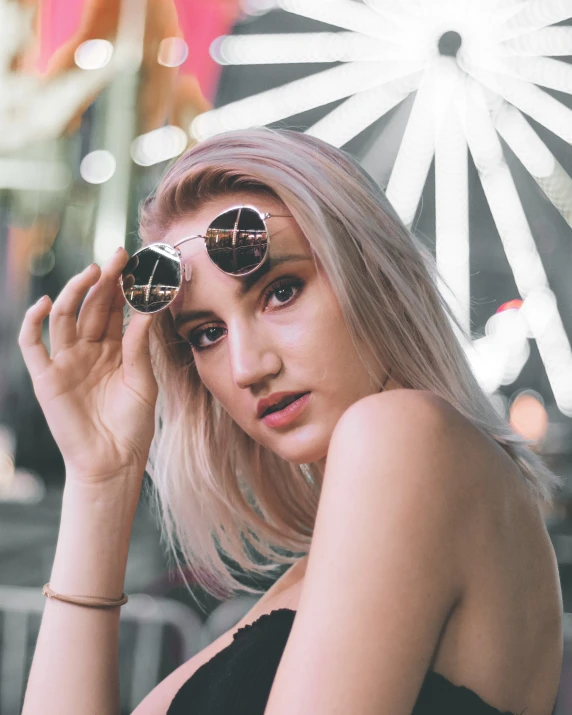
x=201, y=21
x=59, y=19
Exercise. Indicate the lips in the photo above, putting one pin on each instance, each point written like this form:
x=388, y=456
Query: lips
x=283, y=403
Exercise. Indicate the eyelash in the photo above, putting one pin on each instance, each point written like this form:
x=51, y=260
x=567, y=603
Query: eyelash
x=195, y=336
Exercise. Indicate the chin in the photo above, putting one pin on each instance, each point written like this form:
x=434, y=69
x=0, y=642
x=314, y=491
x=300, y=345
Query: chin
x=302, y=446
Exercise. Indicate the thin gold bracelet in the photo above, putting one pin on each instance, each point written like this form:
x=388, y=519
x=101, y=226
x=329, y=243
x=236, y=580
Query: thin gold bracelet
x=89, y=601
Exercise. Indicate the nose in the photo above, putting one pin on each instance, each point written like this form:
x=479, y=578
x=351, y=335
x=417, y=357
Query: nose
x=253, y=354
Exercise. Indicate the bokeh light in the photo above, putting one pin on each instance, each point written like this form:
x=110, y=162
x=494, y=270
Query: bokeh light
x=528, y=415
x=98, y=166
x=173, y=51
x=40, y=264
x=159, y=145
x=93, y=54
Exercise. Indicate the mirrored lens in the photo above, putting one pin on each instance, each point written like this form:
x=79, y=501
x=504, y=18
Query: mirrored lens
x=152, y=278
x=237, y=241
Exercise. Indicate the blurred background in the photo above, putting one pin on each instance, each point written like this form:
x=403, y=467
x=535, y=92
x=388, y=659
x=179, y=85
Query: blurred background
x=461, y=111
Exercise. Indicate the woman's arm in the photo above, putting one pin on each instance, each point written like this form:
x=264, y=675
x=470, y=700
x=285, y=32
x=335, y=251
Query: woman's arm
x=98, y=393
x=75, y=665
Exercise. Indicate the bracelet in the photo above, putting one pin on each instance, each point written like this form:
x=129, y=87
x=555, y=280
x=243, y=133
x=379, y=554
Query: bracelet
x=89, y=601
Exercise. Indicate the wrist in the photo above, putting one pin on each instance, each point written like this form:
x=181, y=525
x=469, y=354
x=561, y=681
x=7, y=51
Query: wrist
x=120, y=488
x=94, y=536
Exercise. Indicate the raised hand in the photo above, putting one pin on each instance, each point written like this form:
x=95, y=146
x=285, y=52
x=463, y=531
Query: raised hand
x=96, y=389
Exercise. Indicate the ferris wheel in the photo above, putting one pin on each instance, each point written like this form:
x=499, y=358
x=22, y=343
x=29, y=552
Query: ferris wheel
x=475, y=71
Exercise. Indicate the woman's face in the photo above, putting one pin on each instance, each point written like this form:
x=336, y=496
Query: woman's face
x=286, y=334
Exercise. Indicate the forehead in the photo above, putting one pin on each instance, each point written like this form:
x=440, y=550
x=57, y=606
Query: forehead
x=197, y=222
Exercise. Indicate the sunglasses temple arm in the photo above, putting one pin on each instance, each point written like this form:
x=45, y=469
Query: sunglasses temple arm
x=184, y=240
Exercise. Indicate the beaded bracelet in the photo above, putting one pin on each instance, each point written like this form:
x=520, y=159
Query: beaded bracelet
x=89, y=601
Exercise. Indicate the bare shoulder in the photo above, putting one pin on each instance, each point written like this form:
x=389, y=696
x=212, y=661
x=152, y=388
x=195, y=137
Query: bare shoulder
x=389, y=552
x=420, y=437
x=400, y=406
x=404, y=405
x=410, y=466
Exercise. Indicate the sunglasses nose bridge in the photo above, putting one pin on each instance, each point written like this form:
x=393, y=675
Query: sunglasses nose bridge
x=187, y=269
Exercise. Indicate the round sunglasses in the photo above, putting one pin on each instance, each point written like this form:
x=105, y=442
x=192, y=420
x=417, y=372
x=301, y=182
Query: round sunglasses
x=237, y=243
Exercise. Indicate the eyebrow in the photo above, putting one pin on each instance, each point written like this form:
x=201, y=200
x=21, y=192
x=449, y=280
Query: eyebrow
x=246, y=285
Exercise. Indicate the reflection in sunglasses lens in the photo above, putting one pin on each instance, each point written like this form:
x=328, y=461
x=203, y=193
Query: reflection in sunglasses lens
x=152, y=278
x=237, y=240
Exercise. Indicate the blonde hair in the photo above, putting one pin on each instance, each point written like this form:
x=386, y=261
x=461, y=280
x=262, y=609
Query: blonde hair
x=217, y=491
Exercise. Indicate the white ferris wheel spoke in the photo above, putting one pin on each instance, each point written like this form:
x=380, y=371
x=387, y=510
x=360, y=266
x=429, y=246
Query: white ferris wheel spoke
x=535, y=156
x=415, y=154
x=528, y=98
x=539, y=307
x=546, y=41
x=505, y=9
x=298, y=96
x=301, y=47
x=452, y=208
x=362, y=109
x=501, y=193
x=343, y=13
x=540, y=70
x=534, y=15
x=397, y=12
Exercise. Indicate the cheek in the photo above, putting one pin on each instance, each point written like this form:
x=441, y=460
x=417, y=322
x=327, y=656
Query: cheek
x=326, y=328
x=332, y=348
x=318, y=343
x=321, y=321
x=213, y=380
x=316, y=321
x=218, y=381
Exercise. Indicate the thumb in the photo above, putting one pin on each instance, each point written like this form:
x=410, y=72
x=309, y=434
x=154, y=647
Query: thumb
x=137, y=367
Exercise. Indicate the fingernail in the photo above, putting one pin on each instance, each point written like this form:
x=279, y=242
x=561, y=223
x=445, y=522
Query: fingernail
x=40, y=300
x=118, y=250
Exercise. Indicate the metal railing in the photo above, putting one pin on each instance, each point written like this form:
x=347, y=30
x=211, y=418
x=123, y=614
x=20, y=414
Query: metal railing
x=149, y=618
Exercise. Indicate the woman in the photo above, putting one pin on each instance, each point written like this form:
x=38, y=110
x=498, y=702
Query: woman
x=425, y=579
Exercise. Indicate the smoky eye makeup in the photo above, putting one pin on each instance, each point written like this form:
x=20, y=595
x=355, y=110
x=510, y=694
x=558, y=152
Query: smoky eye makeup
x=286, y=290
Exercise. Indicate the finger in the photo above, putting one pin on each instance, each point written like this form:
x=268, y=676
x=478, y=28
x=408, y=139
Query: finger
x=95, y=311
x=32, y=346
x=114, y=329
x=63, y=325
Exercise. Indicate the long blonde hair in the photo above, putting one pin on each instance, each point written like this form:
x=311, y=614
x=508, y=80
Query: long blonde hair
x=216, y=490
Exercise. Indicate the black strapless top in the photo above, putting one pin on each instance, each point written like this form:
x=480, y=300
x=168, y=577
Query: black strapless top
x=237, y=680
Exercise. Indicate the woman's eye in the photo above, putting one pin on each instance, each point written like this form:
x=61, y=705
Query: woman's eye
x=195, y=337
x=284, y=290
